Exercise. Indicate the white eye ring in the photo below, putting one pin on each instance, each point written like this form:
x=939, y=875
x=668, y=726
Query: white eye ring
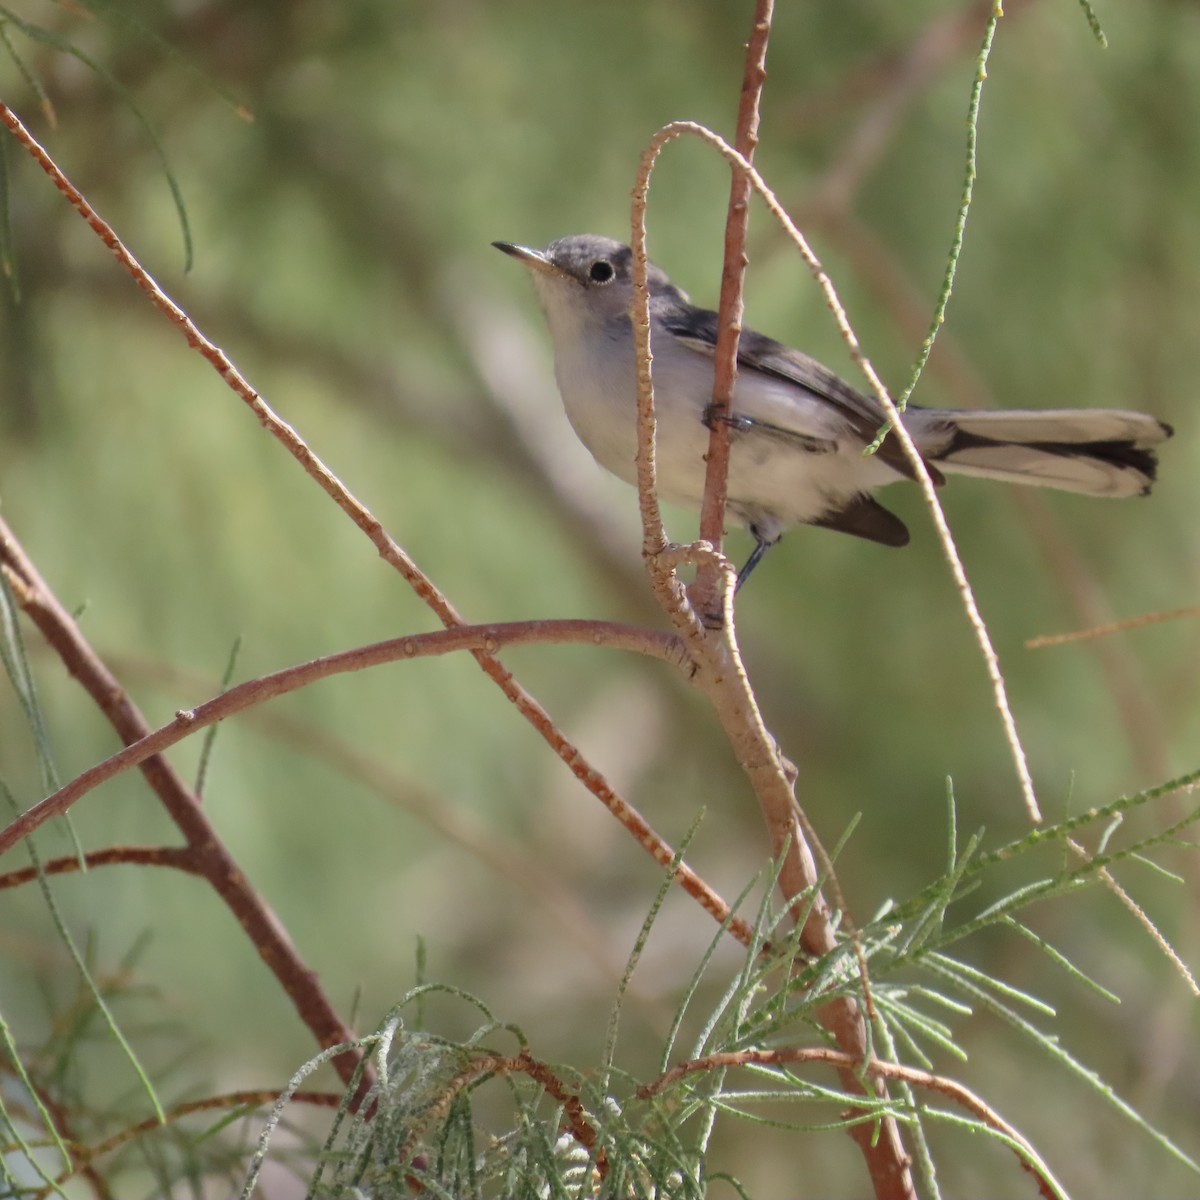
x=601, y=271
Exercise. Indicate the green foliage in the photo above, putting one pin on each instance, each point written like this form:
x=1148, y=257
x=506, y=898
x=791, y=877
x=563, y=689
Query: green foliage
x=426, y=1120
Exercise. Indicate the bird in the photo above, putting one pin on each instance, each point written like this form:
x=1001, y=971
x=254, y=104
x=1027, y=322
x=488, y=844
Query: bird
x=797, y=431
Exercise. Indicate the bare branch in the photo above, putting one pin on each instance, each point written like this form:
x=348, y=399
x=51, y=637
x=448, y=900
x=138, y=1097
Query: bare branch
x=705, y=590
x=1099, y=631
x=84, y=1154
x=291, y=679
x=180, y=858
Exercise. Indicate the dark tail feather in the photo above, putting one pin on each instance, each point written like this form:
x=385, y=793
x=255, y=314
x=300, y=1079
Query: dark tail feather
x=1097, y=452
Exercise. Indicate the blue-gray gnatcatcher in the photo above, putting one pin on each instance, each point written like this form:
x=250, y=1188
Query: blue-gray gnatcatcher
x=798, y=431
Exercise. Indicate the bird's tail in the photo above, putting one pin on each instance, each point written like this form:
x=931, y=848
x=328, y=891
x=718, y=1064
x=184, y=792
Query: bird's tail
x=1098, y=452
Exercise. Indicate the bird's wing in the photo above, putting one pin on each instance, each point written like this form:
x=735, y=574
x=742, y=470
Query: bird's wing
x=697, y=328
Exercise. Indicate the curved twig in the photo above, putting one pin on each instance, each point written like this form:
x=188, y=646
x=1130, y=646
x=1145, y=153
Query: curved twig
x=290, y=679
x=1029, y=1158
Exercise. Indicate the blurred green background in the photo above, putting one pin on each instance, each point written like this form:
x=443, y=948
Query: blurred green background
x=342, y=260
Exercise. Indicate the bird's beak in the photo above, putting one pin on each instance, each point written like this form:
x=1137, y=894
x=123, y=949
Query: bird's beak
x=535, y=260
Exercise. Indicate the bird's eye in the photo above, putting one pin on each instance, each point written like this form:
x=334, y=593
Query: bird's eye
x=601, y=271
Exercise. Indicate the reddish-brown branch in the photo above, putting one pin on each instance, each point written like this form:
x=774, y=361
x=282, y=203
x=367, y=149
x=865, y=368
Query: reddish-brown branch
x=179, y=857
x=706, y=589
x=84, y=1155
x=572, y=1106
x=144, y=750
x=848, y=1064
x=574, y=1114
x=279, y=683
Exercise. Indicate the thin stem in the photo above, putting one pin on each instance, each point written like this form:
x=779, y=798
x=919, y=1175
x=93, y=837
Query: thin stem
x=731, y=308
x=180, y=858
x=290, y=679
